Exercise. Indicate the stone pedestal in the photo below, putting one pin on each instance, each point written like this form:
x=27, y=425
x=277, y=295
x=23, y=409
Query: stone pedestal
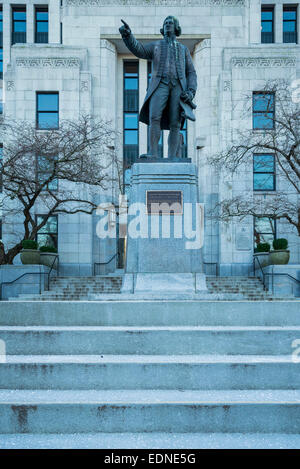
x=165, y=229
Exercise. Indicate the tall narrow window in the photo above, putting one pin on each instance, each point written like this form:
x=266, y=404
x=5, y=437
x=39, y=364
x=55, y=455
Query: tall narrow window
x=130, y=117
x=44, y=171
x=263, y=110
x=1, y=43
x=41, y=25
x=48, y=234
x=267, y=25
x=264, y=230
x=18, y=25
x=290, y=24
x=47, y=115
x=263, y=172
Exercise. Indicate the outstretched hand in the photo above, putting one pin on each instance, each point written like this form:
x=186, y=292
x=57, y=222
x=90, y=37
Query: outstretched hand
x=125, y=29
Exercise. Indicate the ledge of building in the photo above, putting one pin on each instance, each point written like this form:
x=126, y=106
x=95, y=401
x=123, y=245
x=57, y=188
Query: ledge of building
x=190, y=40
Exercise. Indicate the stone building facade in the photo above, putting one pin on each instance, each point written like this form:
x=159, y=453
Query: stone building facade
x=81, y=57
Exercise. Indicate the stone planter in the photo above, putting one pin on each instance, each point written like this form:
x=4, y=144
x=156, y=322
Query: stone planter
x=47, y=258
x=30, y=256
x=264, y=259
x=279, y=257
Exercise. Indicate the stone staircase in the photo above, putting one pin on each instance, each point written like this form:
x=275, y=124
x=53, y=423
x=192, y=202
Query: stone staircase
x=250, y=288
x=76, y=288
x=95, y=288
x=155, y=374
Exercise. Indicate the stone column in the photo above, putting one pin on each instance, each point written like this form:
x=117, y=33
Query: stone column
x=278, y=24
x=30, y=23
x=108, y=63
x=6, y=34
x=206, y=133
x=54, y=22
x=255, y=21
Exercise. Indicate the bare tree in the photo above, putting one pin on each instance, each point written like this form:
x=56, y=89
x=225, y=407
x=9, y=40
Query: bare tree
x=62, y=170
x=279, y=137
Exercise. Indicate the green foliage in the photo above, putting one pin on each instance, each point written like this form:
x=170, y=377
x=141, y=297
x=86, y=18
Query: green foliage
x=263, y=247
x=48, y=249
x=29, y=244
x=280, y=243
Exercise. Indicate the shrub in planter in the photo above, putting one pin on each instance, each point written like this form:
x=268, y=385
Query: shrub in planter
x=262, y=254
x=29, y=253
x=51, y=249
x=280, y=255
x=48, y=255
x=29, y=244
x=279, y=244
x=263, y=247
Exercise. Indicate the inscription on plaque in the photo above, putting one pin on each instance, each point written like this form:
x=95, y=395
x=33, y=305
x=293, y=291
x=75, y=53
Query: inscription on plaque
x=164, y=202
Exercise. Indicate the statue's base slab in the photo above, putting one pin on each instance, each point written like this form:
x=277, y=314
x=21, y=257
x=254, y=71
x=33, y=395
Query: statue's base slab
x=149, y=159
x=164, y=283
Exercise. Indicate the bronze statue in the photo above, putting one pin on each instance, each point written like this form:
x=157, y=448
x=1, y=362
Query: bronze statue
x=172, y=87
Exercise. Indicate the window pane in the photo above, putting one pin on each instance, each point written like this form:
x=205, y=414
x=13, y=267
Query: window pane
x=267, y=15
x=289, y=15
x=42, y=178
x=264, y=225
x=264, y=163
x=42, y=27
x=131, y=83
x=48, y=120
x=263, y=102
x=50, y=226
x=131, y=121
x=42, y=15
x=263, y=121
x=19, y=15
x=289, y=26
x=267, y=27
x=263, y=182
x=47, y=240
x=20, y=27
x=131, y=137
x=47, y=102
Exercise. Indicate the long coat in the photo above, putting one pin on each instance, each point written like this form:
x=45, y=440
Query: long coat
x=157, y=53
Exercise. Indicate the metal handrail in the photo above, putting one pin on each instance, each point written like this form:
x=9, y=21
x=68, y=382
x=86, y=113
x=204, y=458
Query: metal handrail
x=103, y=263
x=51, y=268
x=21, y=276
x=272, y=274
x=32, y=273
x=262, y=272
x=280, y=273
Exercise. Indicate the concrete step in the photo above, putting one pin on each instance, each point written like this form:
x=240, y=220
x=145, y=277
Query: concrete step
x=261, y=411
x=150, y=313
x=116, y=372
x=151, y=440
x=172, y=340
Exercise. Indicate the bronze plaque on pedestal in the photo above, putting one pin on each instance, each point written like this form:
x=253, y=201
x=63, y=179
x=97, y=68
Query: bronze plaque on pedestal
x=164, y=202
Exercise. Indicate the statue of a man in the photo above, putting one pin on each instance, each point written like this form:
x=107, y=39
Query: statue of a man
x=172, y=87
